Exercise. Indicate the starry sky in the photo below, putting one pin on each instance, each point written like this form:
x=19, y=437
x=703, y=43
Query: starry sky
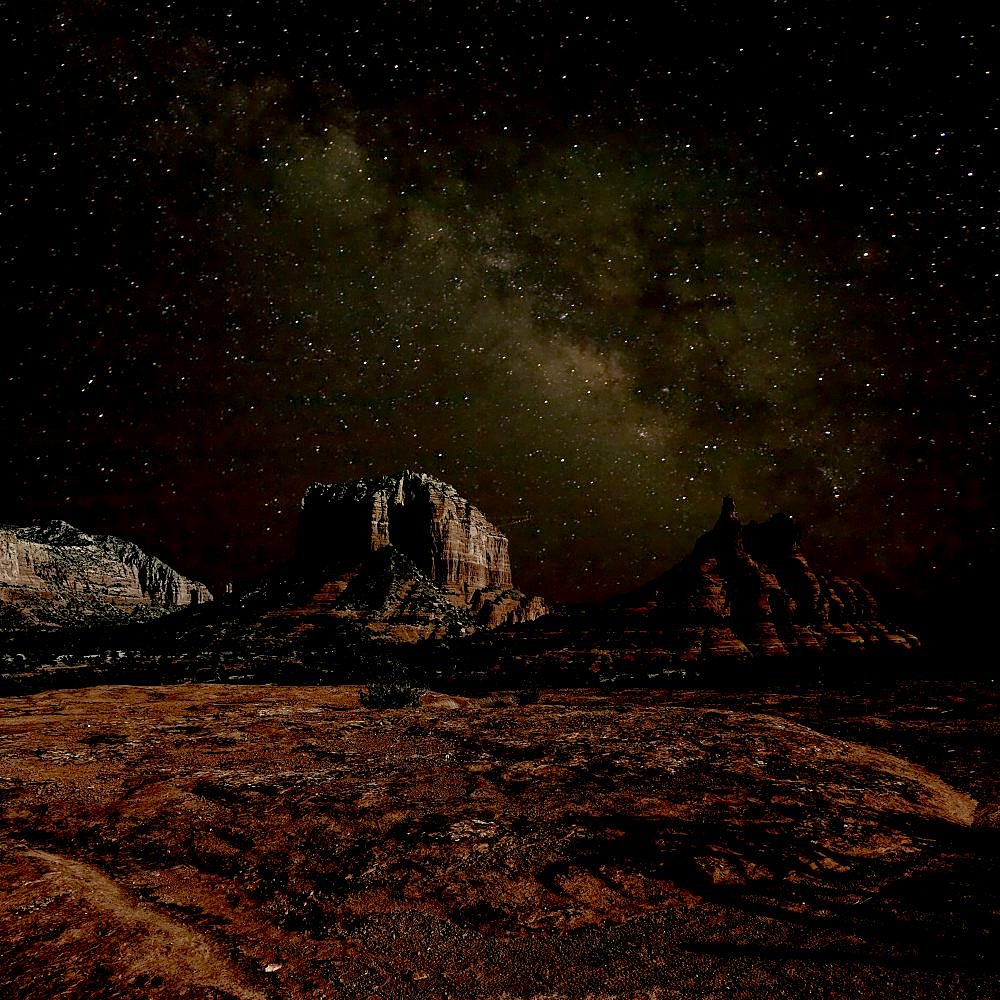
x=594, y=266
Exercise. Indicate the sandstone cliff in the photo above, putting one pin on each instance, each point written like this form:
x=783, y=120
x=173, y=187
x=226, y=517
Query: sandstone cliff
x=446, y=543
x=54, y=575
x=447, y=538
x=400, y=558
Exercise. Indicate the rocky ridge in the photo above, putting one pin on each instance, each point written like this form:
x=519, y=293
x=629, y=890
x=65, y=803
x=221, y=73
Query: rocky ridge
x=406, y=558
x=385, y=595
x=54, y=575
x=750, y=591
x=747, y=593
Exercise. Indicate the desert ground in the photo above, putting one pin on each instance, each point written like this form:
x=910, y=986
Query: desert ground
x=205, y=840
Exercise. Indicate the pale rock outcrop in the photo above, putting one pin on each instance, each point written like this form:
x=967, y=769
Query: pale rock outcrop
x=496, y=608
x=54, y=575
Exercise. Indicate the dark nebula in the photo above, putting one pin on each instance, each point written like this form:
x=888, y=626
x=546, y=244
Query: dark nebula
x=593, y=267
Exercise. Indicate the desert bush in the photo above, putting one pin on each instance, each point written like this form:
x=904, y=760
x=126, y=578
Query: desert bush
x=395, y=689
x=527, y=694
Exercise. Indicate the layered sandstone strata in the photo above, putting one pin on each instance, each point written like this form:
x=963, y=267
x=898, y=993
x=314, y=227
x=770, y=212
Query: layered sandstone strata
x=52, y=575
x=448, y=541
x=400, y=558
x=750, y=591
x=746, y=593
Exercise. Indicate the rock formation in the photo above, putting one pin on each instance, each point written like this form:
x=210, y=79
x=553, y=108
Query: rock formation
x=750, y=590
x=403, y=557
x=448, y=539
x=445, y=541
x=54, y=575
x=385, y=594
x=746, y=593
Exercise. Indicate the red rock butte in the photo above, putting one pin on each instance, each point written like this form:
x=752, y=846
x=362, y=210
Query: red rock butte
x=448, y=539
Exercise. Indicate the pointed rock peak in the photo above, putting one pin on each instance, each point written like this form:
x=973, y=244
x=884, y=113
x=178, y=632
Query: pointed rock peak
x=728, y=515
x=727, y=535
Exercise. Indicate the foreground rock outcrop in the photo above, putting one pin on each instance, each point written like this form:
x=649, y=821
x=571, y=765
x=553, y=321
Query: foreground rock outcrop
x=279, y=841
x=53, y=575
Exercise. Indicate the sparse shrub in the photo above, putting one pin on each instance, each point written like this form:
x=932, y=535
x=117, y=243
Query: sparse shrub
x=527, y=694
x=393, y=690
x=16, y=663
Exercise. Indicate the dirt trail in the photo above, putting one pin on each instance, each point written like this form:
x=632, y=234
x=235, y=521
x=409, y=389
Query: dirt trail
x=162, y=946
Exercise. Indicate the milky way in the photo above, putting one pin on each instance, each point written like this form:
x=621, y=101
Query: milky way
x=593, y=282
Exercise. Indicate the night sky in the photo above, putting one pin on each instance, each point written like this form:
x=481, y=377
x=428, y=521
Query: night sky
x=593, y=266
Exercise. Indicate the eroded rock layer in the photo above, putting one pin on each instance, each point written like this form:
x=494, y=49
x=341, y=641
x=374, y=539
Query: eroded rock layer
x=746, y=593
x=751, y=591
x=385, y=594
x=408, y=555
x=447, y=538
x=54, y=575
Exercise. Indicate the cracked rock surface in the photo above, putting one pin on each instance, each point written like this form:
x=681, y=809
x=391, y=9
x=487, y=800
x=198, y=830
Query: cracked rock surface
x=205, y=840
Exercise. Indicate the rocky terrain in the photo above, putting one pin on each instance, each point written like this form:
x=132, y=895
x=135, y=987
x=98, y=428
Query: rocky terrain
x=446, y=540
x=746, y=595
x=751, y=591
x=393, y=560
x=198, y=840
x=402, y=559
x=618, y=833
x=53, y=575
